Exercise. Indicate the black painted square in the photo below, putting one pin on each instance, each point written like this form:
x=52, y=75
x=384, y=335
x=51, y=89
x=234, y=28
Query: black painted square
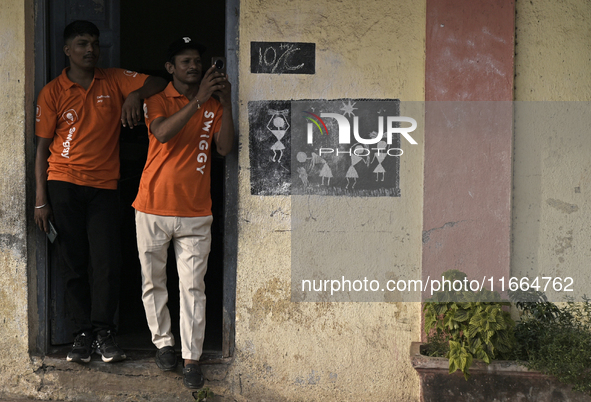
x=282, y=58
x=327, y=167
x=270, y=147
x=284, y=162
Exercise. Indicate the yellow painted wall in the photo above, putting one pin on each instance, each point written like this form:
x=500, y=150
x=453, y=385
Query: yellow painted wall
x=328, y=351
x=16, y=107
x=552, y=51
x=552, y=171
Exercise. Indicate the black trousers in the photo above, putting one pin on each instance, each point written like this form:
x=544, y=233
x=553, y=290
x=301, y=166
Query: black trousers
x=89, y=252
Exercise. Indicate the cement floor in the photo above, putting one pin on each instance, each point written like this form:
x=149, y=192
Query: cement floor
x=135, y=379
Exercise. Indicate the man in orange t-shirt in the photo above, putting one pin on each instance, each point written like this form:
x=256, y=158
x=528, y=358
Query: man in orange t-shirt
x=77, y=169
x=174, y=202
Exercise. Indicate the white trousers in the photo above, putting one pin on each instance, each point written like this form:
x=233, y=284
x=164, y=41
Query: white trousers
x=191, y=238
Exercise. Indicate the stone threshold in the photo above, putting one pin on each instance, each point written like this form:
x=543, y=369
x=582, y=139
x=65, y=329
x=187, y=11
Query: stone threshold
x=135, y=379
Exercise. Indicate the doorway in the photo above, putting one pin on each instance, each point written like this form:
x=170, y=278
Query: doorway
x=145, y=35
x=135, y=36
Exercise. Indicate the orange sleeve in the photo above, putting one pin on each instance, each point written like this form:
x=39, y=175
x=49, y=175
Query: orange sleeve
x=45, y=115
x=127, y=80
x=154, y=107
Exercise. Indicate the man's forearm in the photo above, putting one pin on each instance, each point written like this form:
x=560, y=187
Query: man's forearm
x=41, y=180
x=165, y=129
x=151, y=86
x=225, y=137
x=42, y=208
x=41, y=166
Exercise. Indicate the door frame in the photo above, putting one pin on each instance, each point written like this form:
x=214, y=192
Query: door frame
x=41, y=268
x=40, y=272
x=231, y=185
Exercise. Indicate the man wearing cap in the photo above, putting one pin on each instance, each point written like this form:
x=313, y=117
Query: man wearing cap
x=174, y=203
x=77, y=170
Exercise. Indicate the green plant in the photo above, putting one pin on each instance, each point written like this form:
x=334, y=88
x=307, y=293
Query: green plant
x=474, y=325
x=437, y=345
x=203, y=394
x=555, y=340
x=552, y=339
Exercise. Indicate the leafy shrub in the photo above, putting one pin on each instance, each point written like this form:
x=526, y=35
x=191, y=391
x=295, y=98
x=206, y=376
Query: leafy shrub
x=552, y=339
x=472, y=328
x=555, y=340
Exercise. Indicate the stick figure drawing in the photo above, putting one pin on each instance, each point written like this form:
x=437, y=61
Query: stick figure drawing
x=303, y=175
x=358, y=153
x=325, y=171
x=380, y=155
x=278, y=125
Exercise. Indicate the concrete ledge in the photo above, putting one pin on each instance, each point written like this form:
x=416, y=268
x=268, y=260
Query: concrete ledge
x=501, y=380
x=134, y=379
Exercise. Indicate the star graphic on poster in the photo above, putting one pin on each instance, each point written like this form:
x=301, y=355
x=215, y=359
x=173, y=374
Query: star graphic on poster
x=348, y=109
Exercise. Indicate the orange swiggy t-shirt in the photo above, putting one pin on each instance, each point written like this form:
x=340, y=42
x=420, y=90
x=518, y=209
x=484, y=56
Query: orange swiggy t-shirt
x=176, y=178
x=85, y=126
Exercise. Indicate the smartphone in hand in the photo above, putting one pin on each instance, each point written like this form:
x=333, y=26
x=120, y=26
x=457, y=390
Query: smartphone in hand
x=220, y=64
x=52, y=232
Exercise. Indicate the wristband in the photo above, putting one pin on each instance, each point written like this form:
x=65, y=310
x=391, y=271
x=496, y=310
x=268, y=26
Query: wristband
x=198, y=104
x=40, y=206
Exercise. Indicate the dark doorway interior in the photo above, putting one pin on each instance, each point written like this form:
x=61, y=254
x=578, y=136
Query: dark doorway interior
x=147, y=28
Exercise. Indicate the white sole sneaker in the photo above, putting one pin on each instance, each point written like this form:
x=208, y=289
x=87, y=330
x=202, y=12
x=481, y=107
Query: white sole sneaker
x=71, y=359
x=111, y=359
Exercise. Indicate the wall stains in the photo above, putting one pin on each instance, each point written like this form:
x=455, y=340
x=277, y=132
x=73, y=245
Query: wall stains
x=562, y=206
x=272, y=301
x=14, y=243
x=563, y=243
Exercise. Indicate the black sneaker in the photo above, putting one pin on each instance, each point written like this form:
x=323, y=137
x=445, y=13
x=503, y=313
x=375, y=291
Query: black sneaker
x=193, y=377
x=82, y=349
x=166, y=358
x=107, y=347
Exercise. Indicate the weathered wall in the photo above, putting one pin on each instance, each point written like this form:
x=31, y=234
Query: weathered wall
x=16, y=106
x=552, y=172
x=552, y=51
x=328, y=351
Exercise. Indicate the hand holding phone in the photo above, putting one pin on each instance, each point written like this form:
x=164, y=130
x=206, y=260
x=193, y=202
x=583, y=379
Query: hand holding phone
x=220, y=64
x=52, y=232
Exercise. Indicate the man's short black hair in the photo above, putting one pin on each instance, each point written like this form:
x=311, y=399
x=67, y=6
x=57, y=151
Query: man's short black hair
x=79, y=28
